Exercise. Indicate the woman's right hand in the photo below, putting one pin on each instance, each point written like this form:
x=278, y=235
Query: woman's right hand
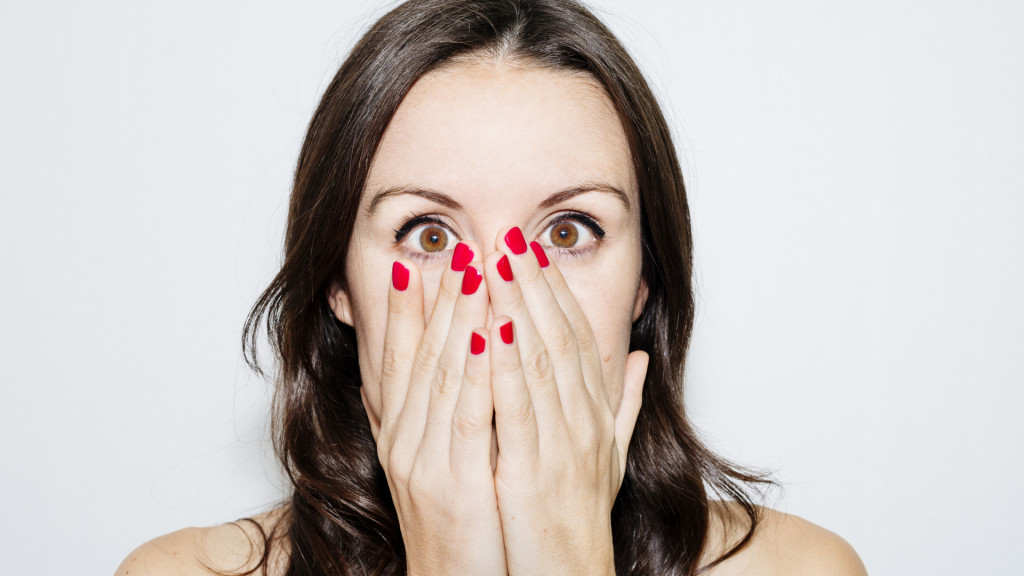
x=434, y=438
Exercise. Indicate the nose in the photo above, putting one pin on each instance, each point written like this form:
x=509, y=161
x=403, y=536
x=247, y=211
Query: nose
x=489, y=234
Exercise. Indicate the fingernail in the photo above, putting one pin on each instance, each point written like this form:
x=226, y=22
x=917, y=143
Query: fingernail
x=505, y=269
x=471, y=281
x=515, y=241
x=538, y=251
x=477, y=344
x=506, y=332
x=462, y=257
x=399, y=276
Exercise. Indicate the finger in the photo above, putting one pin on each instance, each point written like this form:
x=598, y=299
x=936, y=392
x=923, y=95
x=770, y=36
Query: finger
x=471, y=422
x=530, y=295
x=535, y=365
x=445, y=386
x=411, y=420
x=401, y=336
x=515, y=417
x=629, y=408
x=586, y=343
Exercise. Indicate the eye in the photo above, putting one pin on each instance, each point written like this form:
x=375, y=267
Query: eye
x=424, y=236
x=572, y=232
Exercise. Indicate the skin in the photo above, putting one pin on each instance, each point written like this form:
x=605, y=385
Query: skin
x=499, y=139
x=533, y=493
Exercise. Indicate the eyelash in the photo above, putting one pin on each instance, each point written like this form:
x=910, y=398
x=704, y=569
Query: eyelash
x=415, y=221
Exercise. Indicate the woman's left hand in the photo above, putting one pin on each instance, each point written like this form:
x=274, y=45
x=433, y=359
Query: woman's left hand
x=561, y=446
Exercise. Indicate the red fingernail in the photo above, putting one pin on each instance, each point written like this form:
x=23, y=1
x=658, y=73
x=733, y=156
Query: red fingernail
x=471, y=281
x=399, y=276
x=505, y=269
x=506, y=332
x=514, y=240
x=462, y=257
x=477, y=344
x=538, y=251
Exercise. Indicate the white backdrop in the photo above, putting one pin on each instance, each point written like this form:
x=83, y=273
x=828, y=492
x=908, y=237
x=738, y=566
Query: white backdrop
x=855, y=178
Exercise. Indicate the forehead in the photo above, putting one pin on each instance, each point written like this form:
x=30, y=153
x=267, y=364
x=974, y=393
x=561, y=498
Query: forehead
x=484, y=126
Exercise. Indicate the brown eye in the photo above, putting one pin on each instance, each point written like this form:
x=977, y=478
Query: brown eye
x=433, y=239
x=564, y=235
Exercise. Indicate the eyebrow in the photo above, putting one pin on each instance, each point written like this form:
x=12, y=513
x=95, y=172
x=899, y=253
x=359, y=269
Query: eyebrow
x=432, y=195
x=447, y=201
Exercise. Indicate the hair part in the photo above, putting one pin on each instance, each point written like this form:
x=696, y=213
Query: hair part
x=341, y=520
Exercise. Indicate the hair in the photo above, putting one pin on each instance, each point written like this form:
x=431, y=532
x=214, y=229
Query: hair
x=340, y=519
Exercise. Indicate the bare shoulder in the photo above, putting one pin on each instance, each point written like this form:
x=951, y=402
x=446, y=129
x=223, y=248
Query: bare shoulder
x=227, y=548
x=782, y=544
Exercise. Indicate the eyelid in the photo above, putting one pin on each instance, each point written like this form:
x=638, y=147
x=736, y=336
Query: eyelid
x=415, y=221
x=583, y=218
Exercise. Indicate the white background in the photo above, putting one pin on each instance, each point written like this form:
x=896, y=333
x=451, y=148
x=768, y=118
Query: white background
x=855, y=178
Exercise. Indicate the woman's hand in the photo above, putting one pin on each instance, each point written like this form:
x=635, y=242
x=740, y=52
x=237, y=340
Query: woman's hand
x=434, y=434
x=561, y=448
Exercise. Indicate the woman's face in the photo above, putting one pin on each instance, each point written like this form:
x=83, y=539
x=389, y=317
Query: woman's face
x=476, y=147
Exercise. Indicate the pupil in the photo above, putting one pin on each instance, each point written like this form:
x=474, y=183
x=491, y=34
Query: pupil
x=433, y=239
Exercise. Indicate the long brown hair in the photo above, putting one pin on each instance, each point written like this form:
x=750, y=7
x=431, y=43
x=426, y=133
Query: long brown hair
x=340, y=519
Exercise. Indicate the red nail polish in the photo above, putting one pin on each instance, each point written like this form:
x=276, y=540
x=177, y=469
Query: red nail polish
x=515, y=241
x=538, y=251
x=399, y=276
x=462, y=257
x=471, y=281
x=506, y=332
x=505, y=269
x=477, y=344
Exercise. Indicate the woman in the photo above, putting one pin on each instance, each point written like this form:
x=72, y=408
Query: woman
x=482, y=320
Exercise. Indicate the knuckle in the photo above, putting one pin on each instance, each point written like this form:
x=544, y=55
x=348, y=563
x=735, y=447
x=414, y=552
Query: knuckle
x=532, y=274
x=519, y=413
x=382, y=455
x=388, y=422
x=429, y=350
x=418, y=492
x=446, y=380
x=585, y=338
x=505, y=368
x=537, y=366
x=449, y=291
x=562, y=340
x=475, y=380
x=595, y=431
x=465, y=424
x=391, y=364
x=399, y=469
